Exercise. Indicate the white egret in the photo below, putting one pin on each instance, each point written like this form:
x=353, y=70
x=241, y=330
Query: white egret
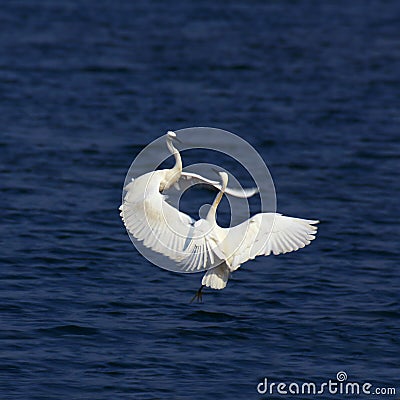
x=203, y=245
x=262, y=234
x=160, y=226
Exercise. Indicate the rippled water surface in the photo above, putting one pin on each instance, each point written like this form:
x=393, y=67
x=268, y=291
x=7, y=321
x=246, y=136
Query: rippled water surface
x=313, y=86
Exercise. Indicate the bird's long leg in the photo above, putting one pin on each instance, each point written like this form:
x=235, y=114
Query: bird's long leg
x=198, y=295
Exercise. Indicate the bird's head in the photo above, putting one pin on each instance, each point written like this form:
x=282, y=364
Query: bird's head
x=171, y=134
x=224, y=180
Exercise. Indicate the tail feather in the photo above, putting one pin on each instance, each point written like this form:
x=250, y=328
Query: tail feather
x=216, y=278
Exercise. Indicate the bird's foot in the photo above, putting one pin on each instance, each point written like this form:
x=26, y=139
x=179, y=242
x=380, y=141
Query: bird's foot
x=198, y=295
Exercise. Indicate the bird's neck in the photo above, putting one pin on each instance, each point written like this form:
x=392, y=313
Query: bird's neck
x=174, y=173
x=178, y=161
x=211, y=215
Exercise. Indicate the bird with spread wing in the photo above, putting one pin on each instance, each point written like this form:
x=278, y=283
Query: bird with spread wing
x=262, y=234
x=149, y=218
x=203, y=245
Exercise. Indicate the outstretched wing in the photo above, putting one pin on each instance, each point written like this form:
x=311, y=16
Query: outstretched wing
x=166, y=230
x=193, y=178
x=202, y=248
x=157, y=224
x=267, y=233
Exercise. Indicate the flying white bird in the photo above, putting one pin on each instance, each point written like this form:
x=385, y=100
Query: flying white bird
x=203, y=245
x=150, y=219
x=262, y=234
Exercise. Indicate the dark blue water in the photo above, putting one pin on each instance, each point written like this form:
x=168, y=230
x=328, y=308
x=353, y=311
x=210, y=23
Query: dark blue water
x=314, y=86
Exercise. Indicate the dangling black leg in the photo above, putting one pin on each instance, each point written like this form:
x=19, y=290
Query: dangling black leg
x=198, y=295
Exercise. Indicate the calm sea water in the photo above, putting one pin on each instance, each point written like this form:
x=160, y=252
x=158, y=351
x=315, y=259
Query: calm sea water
x=314, y=86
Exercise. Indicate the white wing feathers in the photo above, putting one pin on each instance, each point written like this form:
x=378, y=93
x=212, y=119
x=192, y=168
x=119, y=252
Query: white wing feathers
x=152, y=220
x=268, y=233
x=202, y=249
x=168, y=231
x=198, y=246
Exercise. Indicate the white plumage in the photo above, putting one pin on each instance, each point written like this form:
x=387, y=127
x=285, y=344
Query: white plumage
x=203, y=245
x=262, y=234
x=161, y=227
